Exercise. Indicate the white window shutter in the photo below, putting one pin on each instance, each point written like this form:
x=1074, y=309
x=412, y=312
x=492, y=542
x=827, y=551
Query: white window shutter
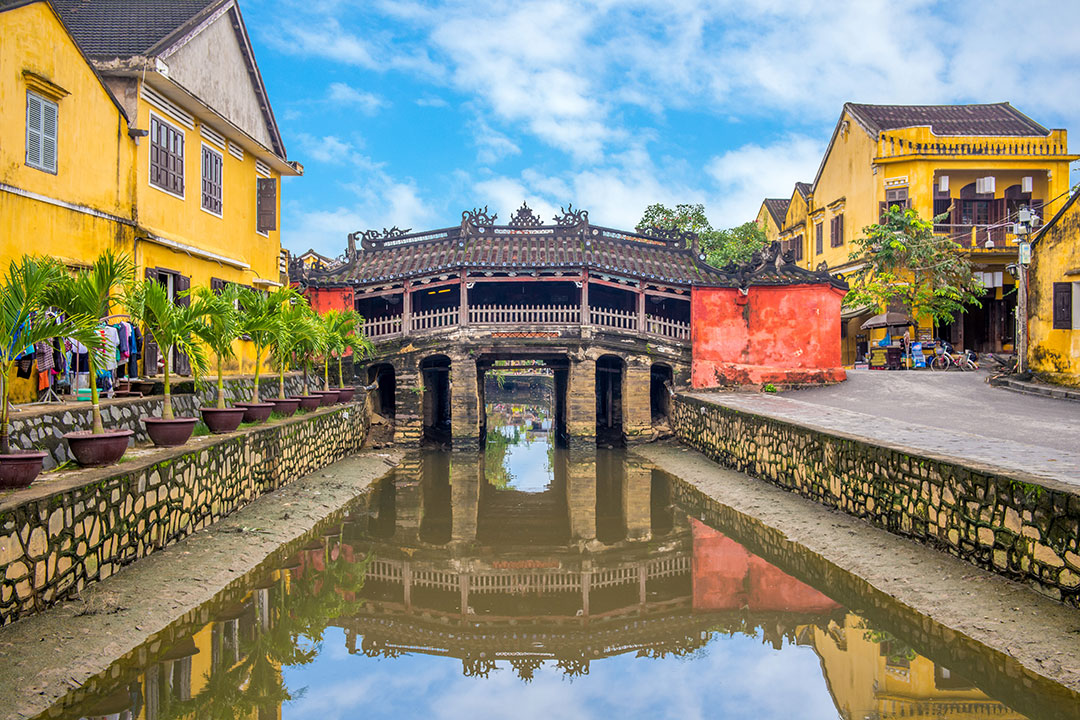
x=48, y=132
x=33, y=130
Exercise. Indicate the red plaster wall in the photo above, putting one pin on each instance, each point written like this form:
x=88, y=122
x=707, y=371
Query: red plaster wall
x=786, y=334
x=323, y=299
x=727, y=576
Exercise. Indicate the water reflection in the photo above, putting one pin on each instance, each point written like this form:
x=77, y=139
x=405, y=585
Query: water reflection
x=479, y=584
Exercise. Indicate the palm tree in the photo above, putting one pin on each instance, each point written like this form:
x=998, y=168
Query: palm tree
x=343, y=334
x=221, y=329
x=260, y=318
x=24, y=321
x=309, y=341
x=89, y=292
x=285, y=339
x=174, y=327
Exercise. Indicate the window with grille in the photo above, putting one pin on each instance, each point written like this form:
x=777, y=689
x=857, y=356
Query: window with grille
x=166, y=156
x=41, y=121
x=836, y=231
x=212, y=164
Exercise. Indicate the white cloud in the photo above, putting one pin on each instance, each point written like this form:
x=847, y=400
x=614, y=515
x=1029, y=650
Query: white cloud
x=342, y=94
x=747, y=175
x=492, y=145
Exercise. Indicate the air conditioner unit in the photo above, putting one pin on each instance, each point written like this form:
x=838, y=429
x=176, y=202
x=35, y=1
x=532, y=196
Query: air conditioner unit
x=1027, y=184
x=943, y=184
x=985, y=185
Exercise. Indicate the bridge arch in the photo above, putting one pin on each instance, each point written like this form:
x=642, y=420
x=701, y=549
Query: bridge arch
x=384, y=396
x=610, y=380
x=661, y=377
x=435, y=398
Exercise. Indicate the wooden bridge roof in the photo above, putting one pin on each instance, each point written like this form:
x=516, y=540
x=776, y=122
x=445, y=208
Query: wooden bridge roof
x=527, y=245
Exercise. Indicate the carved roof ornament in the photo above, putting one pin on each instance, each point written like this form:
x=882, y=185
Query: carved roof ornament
x=477, y=221
x=673, y=236
x=524, y=217
x=373, y=239
x=571, y=219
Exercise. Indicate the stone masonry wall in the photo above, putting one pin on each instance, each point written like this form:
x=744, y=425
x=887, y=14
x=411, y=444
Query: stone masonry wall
x=1019, y=526
x=57, y=537
x=43, y=427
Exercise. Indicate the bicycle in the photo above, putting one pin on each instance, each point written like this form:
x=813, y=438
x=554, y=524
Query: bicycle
x=944, y=359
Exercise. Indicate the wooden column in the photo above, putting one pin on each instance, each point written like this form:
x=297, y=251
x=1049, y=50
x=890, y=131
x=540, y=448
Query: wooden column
x=641, y=311
x=406, y=309
x=463, y=311
x=585, y=299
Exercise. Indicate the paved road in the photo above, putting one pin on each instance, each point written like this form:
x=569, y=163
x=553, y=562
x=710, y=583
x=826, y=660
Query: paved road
x=953, y=414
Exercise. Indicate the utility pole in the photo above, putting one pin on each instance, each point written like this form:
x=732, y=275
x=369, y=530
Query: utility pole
x=1023, y=230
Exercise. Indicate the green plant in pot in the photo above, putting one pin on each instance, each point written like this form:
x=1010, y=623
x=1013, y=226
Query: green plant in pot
x=260, y=318
x=308, y=342
x=25, y=321
x=282, y=348
x=219, y=333
x=343, y=335
x=89, y=292
x=176, y=328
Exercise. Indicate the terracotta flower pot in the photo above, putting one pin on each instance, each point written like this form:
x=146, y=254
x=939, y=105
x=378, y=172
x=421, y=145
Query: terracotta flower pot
x=256, y=412
x=223, y=420
x=18, y=470
x=309, y=402
x=92, y=450
x=142, y=386
x=285, y=407
x=169, y=433
x=345, y=394
x=329, y=397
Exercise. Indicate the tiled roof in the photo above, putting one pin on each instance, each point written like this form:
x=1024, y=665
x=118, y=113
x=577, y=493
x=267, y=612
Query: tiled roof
x=512, y=249
x=998, y=119
x=805, y=189
x=125, y=28
x=778, y=208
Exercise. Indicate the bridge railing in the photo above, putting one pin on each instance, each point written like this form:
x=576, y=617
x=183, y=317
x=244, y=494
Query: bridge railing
x=621, y=320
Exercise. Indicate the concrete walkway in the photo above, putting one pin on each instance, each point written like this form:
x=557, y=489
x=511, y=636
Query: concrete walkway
x=952, y=414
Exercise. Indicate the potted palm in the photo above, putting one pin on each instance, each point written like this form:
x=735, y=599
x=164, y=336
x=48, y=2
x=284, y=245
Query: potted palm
x=89, y=293
x=282, y=348
x=24, y=321
x=327, y=327
x=344, y=335
x=260, y=317
x=175, y=328
x=221, y=329
x=307, y=342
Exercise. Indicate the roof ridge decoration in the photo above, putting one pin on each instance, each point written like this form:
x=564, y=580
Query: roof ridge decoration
x=571, y=219
x=477, y=221
x=772, y=263
x=524, y=217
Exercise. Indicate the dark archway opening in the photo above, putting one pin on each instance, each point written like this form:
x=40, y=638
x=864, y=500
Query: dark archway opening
x=435, y=373
x=661, y=378
x=384, y=398
x=610, y=371
x=436, y=517
x=661, y=504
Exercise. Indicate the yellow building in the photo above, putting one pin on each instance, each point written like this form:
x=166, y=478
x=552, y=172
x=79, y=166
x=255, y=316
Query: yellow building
x=771, y=216
x=976, y=163
x=1054, y=296
x=792, y=234
x=870, y=675
x=155, y=138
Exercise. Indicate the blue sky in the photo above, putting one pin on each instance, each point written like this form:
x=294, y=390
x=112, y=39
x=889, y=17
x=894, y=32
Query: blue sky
x=406, y=113
x=731, y=677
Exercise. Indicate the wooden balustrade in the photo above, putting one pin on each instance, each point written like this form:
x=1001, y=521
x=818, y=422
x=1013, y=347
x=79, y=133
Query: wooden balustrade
x=503, y=315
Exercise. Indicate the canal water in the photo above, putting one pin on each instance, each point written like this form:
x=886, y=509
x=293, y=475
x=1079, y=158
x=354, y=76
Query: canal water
x=526, y=582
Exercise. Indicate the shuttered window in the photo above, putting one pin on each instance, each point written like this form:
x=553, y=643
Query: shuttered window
x=212, y=164
x=819, y=241
x=1063, y=301
x=166, y=156
x=41, y=121
x=266, y=205
x=836, y=231
x=797, y=248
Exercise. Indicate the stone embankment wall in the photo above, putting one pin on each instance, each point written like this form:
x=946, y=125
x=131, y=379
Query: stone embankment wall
x=81, y=527
x=1019, y=526
x=43, y=427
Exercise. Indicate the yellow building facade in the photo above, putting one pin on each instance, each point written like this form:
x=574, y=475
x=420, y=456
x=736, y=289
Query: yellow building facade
x=1054, y=296
x=158, y=142
x=770, y=217
x=975, y=164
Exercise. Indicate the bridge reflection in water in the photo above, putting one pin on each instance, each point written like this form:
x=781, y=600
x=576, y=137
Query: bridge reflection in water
x=525, y=565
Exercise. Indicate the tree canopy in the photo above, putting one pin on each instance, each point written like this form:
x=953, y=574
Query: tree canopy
x=902, y=259
x=735, y=244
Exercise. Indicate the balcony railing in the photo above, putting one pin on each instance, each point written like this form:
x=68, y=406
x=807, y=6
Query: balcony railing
x=976, y=236
x=528, y=315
